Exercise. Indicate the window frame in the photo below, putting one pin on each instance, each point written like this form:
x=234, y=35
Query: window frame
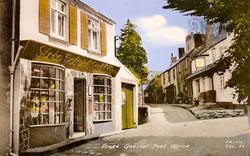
x=57, y=13
x=94, y=25
x=56, y=93
x=105, y=105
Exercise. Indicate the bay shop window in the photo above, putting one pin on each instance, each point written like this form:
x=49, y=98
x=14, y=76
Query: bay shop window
x=102, y=98
x=47, y=94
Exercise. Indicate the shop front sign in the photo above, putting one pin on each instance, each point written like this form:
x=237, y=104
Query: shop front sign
x=36, y=51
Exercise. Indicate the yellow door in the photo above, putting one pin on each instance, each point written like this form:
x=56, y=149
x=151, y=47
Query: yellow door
x=127, y=106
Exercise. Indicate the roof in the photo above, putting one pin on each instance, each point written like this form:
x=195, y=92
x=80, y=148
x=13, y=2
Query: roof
x=203, y=71
x=182, y=58
x=93, y=11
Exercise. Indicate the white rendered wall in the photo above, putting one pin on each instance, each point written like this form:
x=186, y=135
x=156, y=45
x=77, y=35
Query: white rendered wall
x=29, y=30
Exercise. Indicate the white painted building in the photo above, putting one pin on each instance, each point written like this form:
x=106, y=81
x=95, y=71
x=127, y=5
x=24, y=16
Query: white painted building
x=209, y=85
x=68, y=82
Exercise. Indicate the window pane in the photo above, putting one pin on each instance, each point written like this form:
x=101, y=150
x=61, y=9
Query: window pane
x=52, y=73
x=35, y=71
x=44, y=107
x=45, y=119
x=35, y=95
x=52, y=84
x=35, y=83
x=61, y=6
x=44, y=83
x=53, y=22
x=95, y=40
x=51, y=113
x=44, y=71
x=89, y=38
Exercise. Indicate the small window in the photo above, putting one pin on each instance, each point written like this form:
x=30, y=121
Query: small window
x=102, y=98
x=59, y=19
x=47, y=95
x=222, y=82
x=94, y=36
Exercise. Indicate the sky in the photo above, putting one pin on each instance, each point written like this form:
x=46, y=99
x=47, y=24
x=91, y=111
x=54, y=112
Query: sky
x=162, y=31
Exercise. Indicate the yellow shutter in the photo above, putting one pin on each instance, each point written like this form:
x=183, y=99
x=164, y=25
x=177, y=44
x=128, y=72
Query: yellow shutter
x=44, y=16
x=84, y=31
x=72, y=24
x=103, y=39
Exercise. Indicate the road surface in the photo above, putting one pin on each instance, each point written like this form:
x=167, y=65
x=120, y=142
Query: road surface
x=174, y=131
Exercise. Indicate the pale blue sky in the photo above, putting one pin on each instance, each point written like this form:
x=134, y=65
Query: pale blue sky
x=162, y=31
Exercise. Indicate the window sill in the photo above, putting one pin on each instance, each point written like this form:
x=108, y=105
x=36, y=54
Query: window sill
x=95, y=52
x=102, y=121
x=56, y=39
x=48, y=125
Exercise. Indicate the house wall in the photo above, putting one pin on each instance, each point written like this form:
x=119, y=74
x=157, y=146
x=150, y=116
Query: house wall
x=5, y=58
x=224, y=94
x=29, y=18
x=214, y=81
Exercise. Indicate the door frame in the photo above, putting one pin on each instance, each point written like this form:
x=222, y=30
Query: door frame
x=84, y=104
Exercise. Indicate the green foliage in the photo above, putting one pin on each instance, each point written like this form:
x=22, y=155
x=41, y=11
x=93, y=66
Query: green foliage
x=131, y=53
x=235, y=16
x=154, y=89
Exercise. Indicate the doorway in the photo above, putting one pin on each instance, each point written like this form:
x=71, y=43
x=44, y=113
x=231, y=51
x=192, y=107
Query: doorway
x=79, y=105
x=127, y=106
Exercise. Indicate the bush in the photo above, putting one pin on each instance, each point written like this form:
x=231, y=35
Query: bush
x=208, y=96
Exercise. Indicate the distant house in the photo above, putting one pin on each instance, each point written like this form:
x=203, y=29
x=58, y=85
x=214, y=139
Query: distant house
x=208, y=84
x=175, y=86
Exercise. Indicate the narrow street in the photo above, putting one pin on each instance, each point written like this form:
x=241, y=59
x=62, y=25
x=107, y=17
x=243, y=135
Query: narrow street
x=173, y=131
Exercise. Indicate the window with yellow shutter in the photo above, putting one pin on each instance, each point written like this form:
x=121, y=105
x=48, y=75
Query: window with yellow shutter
x=59, y=19
x=94, y=36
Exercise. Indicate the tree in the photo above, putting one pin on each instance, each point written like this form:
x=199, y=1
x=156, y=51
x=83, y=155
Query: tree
x=235, y=16
x=131, y=53
x=154, y=90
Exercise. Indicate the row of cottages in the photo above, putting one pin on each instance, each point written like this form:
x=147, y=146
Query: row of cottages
x=174, y=84
x=67, y=82
x=194, y=78
x=208, y=83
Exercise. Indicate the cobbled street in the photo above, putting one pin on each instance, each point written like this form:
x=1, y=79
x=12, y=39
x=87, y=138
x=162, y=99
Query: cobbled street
x=173, y=131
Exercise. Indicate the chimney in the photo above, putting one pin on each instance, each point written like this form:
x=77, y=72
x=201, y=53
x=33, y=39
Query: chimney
x=173, y=59
x=181, y=52
x=209, y=34
x=199, y=40
x=193, y=41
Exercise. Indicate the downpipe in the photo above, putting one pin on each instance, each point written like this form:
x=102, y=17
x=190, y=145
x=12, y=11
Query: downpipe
x=12, y=71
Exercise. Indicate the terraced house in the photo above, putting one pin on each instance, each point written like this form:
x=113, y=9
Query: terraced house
x=67, y=82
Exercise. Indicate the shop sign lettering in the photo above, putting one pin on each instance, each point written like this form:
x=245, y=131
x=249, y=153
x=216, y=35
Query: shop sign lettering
x=40, y=52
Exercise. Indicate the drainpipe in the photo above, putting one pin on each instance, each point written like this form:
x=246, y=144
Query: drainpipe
x=12, y=69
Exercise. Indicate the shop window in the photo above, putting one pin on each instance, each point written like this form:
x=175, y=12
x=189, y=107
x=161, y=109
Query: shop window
x=47, y=95
x=102, y=98
x=94, y=36
x=59, y=19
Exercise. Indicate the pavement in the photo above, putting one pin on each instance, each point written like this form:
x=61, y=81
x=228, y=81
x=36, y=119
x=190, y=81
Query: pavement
x=173, y=131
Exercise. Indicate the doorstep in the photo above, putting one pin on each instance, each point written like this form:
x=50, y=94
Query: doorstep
x=71, y=142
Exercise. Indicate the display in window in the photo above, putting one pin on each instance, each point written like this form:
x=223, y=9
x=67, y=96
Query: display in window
x=52, y=84
x=44, y=107
x=35, y=109
x=102, y=98
x=47, y=94
x=44, y=83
